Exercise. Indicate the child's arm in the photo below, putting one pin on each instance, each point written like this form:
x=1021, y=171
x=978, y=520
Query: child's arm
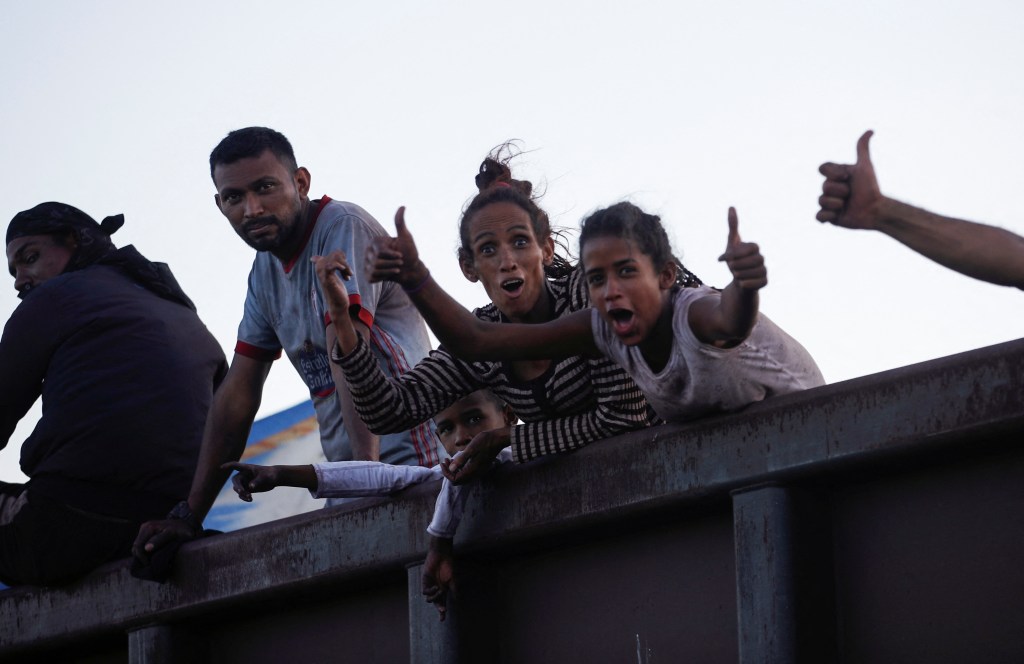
x=438, y=573
x=251, y=478
x=352, y=479
x=438, y=578
x=330, y=270
x=728, y=319
x=470, y=338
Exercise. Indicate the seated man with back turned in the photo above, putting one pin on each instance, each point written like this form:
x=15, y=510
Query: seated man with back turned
x=126, y=371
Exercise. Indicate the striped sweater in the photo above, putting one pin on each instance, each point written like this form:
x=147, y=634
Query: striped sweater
x=575, y=401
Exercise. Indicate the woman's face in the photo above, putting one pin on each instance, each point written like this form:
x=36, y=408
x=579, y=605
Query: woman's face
x=508, y=260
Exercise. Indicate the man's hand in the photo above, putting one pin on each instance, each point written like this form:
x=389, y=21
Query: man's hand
x=330, y=270
x=744, y=259
x=438, y=574
x=155, y=534
x=850, y=195
x=477, y=457
x=251, y=478
x=396, y=258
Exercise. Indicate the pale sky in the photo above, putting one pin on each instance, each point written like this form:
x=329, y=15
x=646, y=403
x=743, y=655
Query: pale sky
x=683, y=108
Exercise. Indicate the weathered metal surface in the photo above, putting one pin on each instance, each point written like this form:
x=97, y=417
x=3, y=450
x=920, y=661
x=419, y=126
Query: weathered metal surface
x=929, y=562
x=631, y=540
x=430, y=640
x=784, y=576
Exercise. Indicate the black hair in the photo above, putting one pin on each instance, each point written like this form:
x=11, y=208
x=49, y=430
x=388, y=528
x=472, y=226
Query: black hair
x=495, y=184
x=498, y=402
x=629, y=222
x=252, y=142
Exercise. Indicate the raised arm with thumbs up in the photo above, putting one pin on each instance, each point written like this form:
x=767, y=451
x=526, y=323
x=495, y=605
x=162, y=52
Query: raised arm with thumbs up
x=727, y=320
x=851, y=198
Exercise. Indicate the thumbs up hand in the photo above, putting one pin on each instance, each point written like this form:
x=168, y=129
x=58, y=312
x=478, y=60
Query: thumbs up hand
x=743, y=258
x=850, y=195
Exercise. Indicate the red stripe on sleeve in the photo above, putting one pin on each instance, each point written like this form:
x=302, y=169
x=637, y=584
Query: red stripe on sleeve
x=356, y=310
x=257, y=353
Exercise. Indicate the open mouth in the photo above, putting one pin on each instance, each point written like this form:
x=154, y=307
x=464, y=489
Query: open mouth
x=620, y=315
x=622, y=320
x=512, y=285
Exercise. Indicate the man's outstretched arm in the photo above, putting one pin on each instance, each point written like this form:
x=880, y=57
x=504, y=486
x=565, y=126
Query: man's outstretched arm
x=851, y=198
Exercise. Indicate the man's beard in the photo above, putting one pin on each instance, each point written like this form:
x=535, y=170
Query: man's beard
x=265, y=241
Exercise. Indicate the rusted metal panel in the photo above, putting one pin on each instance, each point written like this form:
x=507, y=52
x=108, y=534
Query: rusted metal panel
x=929, y=562
x=628, y=545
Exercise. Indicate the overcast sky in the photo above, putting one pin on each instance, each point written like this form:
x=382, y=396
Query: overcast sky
x=684, y=108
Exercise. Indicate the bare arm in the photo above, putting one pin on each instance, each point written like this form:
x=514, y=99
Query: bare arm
x=460, y=331
x=251, y=478
x=438, y=574
x=729, y=318
x=851, y=198
x=365, y=444
x=976, y=250
x=330, y=270
x=227, y=428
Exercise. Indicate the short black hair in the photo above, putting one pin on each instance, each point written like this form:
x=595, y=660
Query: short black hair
x=252, y=142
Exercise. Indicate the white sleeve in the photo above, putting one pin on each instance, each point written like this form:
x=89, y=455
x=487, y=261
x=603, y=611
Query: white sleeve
x=451, y=503
x=350, y=479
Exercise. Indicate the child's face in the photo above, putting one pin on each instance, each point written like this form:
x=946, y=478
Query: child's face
x=625, y=287
x=508, y=259
x=475, y=413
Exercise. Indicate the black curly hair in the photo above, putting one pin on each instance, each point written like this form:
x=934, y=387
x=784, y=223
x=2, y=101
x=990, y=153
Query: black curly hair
x=629, y=222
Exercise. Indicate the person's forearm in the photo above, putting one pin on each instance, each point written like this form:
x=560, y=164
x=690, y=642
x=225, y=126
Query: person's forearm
x=343, y=330
x=453, y=324
x=472, y=339
x=976, y=250
x=442, y=545
x=620, y=407
x=738, y=307
x=302, y=477
x=227, y=429
x=365, y=444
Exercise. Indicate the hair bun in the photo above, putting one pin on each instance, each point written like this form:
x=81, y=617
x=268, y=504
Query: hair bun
x=494, y=173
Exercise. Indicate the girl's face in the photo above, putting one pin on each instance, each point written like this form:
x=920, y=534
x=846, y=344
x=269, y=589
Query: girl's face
x=509, y=261
x=625, y=287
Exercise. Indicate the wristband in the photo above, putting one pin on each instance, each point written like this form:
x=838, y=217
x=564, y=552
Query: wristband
x=183, y=512
x=418, y=287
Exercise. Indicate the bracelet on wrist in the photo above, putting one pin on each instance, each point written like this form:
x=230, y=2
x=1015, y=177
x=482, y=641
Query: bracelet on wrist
x=418, y=287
